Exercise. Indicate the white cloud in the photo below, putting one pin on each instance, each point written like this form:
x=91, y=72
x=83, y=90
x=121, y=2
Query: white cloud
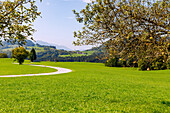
x=87, y=1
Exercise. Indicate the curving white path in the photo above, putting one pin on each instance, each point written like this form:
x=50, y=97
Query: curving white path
x=59, y=71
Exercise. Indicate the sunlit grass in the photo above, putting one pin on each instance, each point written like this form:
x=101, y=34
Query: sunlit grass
x=91, y=87
x=8, y=68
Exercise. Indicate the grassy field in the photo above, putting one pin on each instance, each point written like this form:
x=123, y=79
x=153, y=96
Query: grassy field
x=91, y=87
x=73, y=55
x=37, y=49
x=7, y=68
x=86, y=53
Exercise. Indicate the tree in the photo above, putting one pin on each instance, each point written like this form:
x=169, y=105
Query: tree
x=3, y=55
x=32, y=55
x=16, y=18
x=19, y=54
x=127, y=28
x=55, y=55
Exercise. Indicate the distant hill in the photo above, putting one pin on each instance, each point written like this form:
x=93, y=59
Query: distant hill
x=30, y=43
x=51, y=44
x=46, y=51
x=7, y=47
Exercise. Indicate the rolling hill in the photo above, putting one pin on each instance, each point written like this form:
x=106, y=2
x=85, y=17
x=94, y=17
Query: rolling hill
x=48, y=52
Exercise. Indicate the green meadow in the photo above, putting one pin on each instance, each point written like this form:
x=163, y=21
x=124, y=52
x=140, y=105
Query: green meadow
x=7, y=67
x=86, y=53
x=91, y=87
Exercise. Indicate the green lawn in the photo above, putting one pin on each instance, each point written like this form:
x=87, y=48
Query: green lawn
x=7, y=68
x=91, y=87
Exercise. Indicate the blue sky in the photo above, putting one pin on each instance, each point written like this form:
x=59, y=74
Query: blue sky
x=58, y=22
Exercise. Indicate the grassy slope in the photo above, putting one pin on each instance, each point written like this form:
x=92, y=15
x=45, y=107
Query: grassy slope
x=91, y=87
x=7, y=68
x=77, y=55
x=11, y=47
x=37, y=49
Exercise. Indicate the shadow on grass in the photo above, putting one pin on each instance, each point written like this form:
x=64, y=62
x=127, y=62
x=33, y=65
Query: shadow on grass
x=166, y=103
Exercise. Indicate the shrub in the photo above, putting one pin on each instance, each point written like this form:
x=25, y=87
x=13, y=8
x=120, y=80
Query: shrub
x=3, y=55
x=113, y=62
x=123, y=62
x=159, y=63
x=132, y=61
x=168, y=63
x=152, y=64
x=135, y=64
x=19, y=54
x=143, y=64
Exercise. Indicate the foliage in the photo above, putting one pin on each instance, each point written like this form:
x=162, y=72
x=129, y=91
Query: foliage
x=168, y=63
x=123, y=62
x=127, y=27
x=16, y=18
x=91, y=87
x=49, y=55
x=156, y=64
x=3, y=55
x=132, y=61
x=159, y=63
x=32, y=55
x=19, y=54
x=143, y=64
x=113, y=62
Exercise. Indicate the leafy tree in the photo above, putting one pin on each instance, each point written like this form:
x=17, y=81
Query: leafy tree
x=139, y=28
x=32, y=55
x=16, y=19
x=19, y=54
x=3, y=55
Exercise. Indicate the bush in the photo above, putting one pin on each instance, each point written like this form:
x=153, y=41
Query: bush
x=132, y=62
x=143, y=64
x=3, y=55
x=19, y=54
x=123, y=62
x=152, y=64
x=113, y=62
x=168, y=63
x=159, y=63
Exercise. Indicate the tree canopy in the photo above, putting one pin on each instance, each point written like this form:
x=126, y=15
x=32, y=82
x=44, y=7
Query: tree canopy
x=139, y=28
x=32, y=55
x=19, y=54
x=16, y=18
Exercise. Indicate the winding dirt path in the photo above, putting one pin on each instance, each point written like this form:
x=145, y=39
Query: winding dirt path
x=59, y=71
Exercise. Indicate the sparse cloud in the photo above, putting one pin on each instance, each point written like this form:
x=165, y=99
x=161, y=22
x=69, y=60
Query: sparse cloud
x=88, y=1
